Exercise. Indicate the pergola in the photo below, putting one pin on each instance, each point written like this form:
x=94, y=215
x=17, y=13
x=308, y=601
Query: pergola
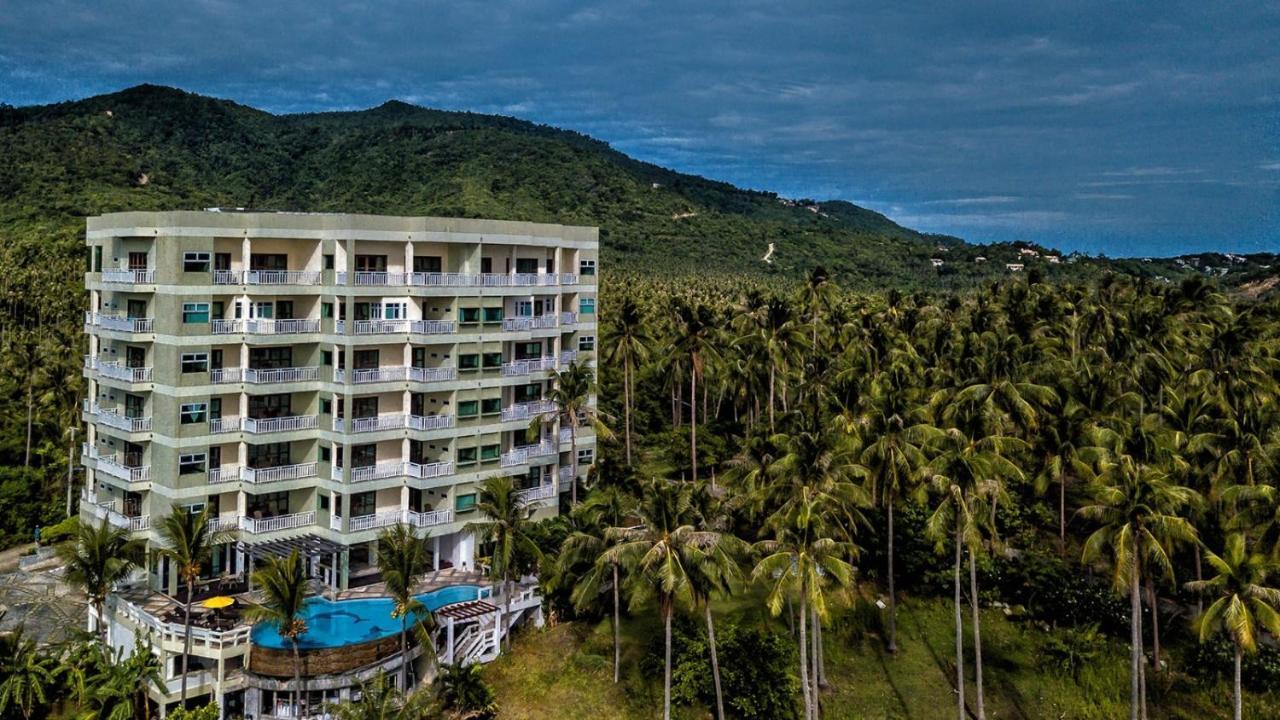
x=463, y=612
x=313, y=549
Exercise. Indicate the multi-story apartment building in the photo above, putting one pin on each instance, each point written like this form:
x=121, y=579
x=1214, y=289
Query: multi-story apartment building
x=313, y=378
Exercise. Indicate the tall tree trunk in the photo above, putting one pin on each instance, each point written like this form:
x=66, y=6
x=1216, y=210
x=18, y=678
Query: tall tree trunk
x=977, y=636
x=186, y=642
x=297, y=679
x=1062, y=511
x=959, y=627
x=31, y=409
x=715, y=662
x=506, y=611
x=404, y=653
x=666, y=677
x=772, y=380
x=1135, y=639
x=573, y=458
x=71, y=449
x=1237, y=707
x=893, y=599
x=693, y=422
x=617, y=616
x=1199, y=578
x=1153, y=600
x=804, y=660
x=626, y=407
x=819, y=655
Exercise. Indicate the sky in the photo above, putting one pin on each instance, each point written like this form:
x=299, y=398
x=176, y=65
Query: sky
x=1124, y=128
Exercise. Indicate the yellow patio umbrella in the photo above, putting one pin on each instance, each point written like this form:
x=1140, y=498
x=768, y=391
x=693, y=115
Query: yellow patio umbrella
x=217, y=602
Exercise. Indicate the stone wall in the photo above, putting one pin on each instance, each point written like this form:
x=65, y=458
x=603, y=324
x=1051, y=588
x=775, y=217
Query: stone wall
x=322, y=661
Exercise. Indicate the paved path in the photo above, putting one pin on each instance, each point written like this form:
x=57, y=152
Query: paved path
x=9, y=558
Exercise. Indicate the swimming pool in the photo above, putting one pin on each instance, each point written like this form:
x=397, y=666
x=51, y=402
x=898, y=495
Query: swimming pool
x=350, y=622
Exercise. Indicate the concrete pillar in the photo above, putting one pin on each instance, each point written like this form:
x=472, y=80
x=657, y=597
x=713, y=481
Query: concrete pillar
x=435, y=553
x=408, y=256
x=448, y=652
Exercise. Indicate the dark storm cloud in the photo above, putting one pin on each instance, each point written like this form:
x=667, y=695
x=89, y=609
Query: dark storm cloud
x=1130, y=128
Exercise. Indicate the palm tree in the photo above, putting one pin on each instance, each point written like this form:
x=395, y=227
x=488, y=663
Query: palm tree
x=572, y=396
x=461, y=688
x=282, y=584
x=695, y=339
x=402, y=559
x=627, y=345
x=188, y=540
x=96, y=559
x=1245, y=602
x=1137, y=508
x=713, y=570
x=381, y=700
x=28, y=674
x=605, y=507
x=506, y=526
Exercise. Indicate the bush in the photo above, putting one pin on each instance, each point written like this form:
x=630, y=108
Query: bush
x=1057, y=592
x=1259, y=672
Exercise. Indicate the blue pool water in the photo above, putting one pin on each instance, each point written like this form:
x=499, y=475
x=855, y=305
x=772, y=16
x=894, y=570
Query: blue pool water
x=348, y=622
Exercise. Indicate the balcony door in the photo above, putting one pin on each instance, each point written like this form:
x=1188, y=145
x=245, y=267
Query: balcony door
x=527, y=266
x=135, y=357
x=528, y=350
x=364, y=360
x=135, y=309
x=132, y=454
x=269, y=406
x=371, y=263
x=364, y=407
x=222, y=261
x=265, y=261
x=137, y=261
x=427, y=264
x=270, y=358
x=134, y=406
x=269, y=455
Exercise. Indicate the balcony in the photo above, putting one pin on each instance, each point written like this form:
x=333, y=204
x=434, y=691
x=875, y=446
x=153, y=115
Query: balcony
x=388, y=518
x=537, y=322
x=428, y=470
x=443, y=280
x=292, y=326
x=226, y=473
x=281, y=424
x=281, y=277
x=264, y=376
x=226, y=327
x=528, y=366
x=256, y=526
x=527, y=410
x=375, y=521
x=417, y=374
x=380, y=471
x=224, y=523
x=392, y=373
x=374, y=279
x=536, y=494
x=224, y=425
x=568, y=357
x=108, y=511
x=566, y=474
x=120, y=323
x=568, y=318
x=525, y=453
x=116, y=371
x=430, y=422
x=109, y=465
x=566, y=435
x=433, y=327
x=226, y=277
x=568, y=278
x=278, y=473
x=428, y=519
x=113, y=419
x=381, y=327
x=378, y=423
x=129, y=277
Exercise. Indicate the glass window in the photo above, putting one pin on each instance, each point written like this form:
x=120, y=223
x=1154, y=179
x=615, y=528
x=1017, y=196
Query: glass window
x=492, y=360
x=465, y=503
x=326, y=309
x=466, y=456
x=326, y=357
x=195, y=362
x=469, y=315
x=585, y=455
x=191, y=464
x=491, y=406
x=326, y=453
x=493, y=314
x=195, y=312
x=468, y=408
x=194, y=413
x=468, y=362
x=395, y=311
x=326, y=406
x=587, y=267
x=587, y=343
x=195, y=262
x=587, y=306
x=490, y=452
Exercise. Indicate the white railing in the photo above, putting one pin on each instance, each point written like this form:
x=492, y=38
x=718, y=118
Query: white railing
x=377, y=472
x=130, y=277
x=275, y=474
x=536, y=322
x=120, y=323
x=568, y=357
x=443, y=279
x=224, y=425
x=566, y=435
x=376, y=520
x=430, y=422
x=112, y=418
x=117, y=371
x=173, y=634
x=281, y=424
x=433, y=327
x=279, y=522
x=226, y=375
x=340, y=327
x=224, y=523
x=335, y=523
x=495, y=280
x=110, y=466
x=226, y=327
x=377, y=278
x=377, y=423
x=525, y=453
x=281, y=277
x=528, y=366
x=527, y=410
x=566, y=474
x=106, y=511
x=532, y=495
x=337, y=424
x=381, y=327
x=90, y=362
x=417, y=374
x=568, y=278
x=260, y=376
x=226, y=473
x=292, y=326
x=372, y=375
x=429, y=518
x=568, y=318
x=226, y=277
x=429, y=470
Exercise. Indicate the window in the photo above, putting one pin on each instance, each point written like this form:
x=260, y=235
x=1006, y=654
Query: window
x=326, y=357
x=587, y=267
x=587, y=306
x=465, y=503
x=466, y=456
x=587, y=343
x=469, y=315
x=195, y=313
x=486, y=265
x=493, y=314
x=326, y=406
x=427, y=264
x=191, y=464
x=328, y=262
x=585, y=456
x=326, y=453
x=194, y=413
x=195, y=262
x=490, y=452
x=195, y=362
x=364, y=503
x=326, y=309
x=491, y=360
x=527, y=266
x=395, y=311
x=468, y=362
x=468, y=408
x=97, y=258
x=491, y=406
x=524, y=308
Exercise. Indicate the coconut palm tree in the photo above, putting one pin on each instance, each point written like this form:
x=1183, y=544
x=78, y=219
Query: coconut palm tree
x=28, y=674
x=1138, y=511
x=713, y=571
x=402, y=559
x=627, y=344
x=187, y=542
x=283, y=587
x=695, y=339
x=506, y=526
x=462, y=689
x=96, y=558
x=604, y=508
x=572, y=396
x=1246, y=603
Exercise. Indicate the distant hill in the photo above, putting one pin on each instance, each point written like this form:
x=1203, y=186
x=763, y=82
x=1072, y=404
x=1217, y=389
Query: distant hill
x=151, y=147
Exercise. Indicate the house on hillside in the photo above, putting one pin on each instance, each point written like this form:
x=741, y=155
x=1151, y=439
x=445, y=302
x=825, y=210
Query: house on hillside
x=937, y=262
x=1053, y=259
x=1014, y=267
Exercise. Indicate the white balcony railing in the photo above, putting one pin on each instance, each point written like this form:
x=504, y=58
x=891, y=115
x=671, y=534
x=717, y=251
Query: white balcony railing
x=270, y=376
x=281, y=424
x=568, y=278
x=376, y=472
x=430, y=422
x=292, y=326
x=532, y=495
x=282, y=277
x=568, y=318
x=113, y=418
x=129, y=277
x=444, y=279
x=527, y=410
x=226, y=473
x=528, y=366
x=566, y=435
x=568, y=357
x=381, y=327
x=226, y=375
x=109, y=465
x=378, y=423
x=276, y=474
x=340, y=327
x=376, y=278
x=566, y=474
x=224, y=523
x=391, y=373
x=433, y=327
x=226, y=277
x=417, y=374
x=335, y=523
x=428, y=470
x=279, y=522
x=226, y=327
x=535, y=322
x=374, y=521
x=116, y=371
x=429, y=518
x=224, y=425
x=525, y=453
x=120, y=323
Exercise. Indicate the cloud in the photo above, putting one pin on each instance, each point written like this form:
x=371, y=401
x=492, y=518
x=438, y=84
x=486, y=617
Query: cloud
x=984, y=200
x=1270, y=166
x=1102, y=196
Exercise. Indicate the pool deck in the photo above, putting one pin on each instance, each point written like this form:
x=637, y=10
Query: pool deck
x=432, y=581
